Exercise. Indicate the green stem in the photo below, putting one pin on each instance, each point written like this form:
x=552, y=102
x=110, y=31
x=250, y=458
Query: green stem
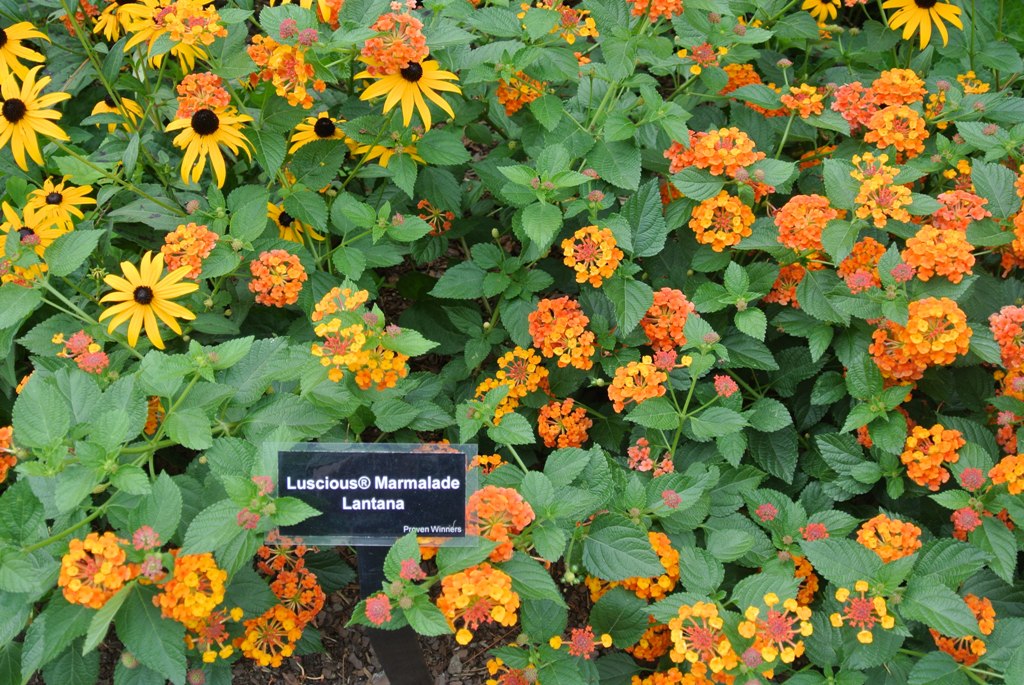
x=517, y=458
x=359, y=165
x=785, y=134
x=974, y=21
x=96, y=513
x=127, y=185
x=77, y=312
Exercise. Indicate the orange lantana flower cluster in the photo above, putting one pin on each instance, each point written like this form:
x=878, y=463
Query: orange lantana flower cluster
x=890, y=539
x=7, y=458
x=860, y=268
x=559, y=330
x=968, y=649
x=698, y=638
x=744, y=75
x=593, y=254
x=858, y=104
x=655, y=9
x=94, y=569
x=398, y=42
x=286, y=67
x=784, y=288
x=357, y=340
x=878, y=196
x=271, y=636
x=804, y=100
x=1009, y=470
x=521, y=372
x=802, y=219
x=479, y=594
x=809, y=581
x=959, y=209
x=194, y=589
x=519, y=90
x=721, y=221
x=1008, y=329
x=721, y=151
x=277, y=278
x=653, y=644
x=439, y=220
x=777, y=634
x=925, y=452
x=935, y=335
x=560, y=425
x=897, y=126
x=666, y=318
x=188, y=244
x=939, y=252
x=201, y=90
x=498, y=514
x=636, y=382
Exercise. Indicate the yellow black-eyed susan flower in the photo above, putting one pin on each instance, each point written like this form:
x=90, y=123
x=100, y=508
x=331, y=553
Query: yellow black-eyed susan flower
x=24, y=113
x=34, y=235
x=288, y=227
x=409, y=87
x=823, y=11
x=12, y=49
x=56, y=203
x=919, y=15
x=144, y=295
x=202, y=135
x=108, y=106
x=320, y=127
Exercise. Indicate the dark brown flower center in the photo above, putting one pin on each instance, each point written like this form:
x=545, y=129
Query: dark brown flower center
x=324, y=127
x=3, y=38
x=926, y=4
x=13, y=110
x=25, y=232
x=54, y=198
x=285, y=219
x=205, y=122
x=412, y=72
x=109, y=101
x=143, y=294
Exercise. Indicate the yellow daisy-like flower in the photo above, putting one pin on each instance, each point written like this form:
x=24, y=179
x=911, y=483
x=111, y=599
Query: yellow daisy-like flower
x=383, y=154
x=24, y=114
x=409, y=86
x=113, y=21
x=288, y=227
x=12, y=51
x=823, y=11
x=37, y=236
x=108, y=106
x=919, y=15
x=320, y=127
x=202, y=135
x=142, y=297
x=56, y=204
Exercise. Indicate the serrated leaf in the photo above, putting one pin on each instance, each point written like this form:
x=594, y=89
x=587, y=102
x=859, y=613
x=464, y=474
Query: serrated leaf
x=938, y=607
x=70, y=250
x=541, y=222
x=630, y=299
x=658, y=413
x=155, y=641
x=618, y=552
x=617, y=162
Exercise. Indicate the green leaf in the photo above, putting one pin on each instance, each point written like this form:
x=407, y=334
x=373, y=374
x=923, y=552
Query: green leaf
x=530, y=579
x=190, y=427
x=409, y=342
x=155, y=641
x=839, y=185
x=937, y=668
x=402, y=169
x=841, y=561
x=441, y=147
x=409, y=229
x=838, y=238
x=70, y=250
x=212, y=529
x=248, y=207
x=308, y=207
x=548, y=111
x=937, y=607
x=619, y=552
x=657, y=413
x=699, y=572
x=622, y=615
x=163, y=374
x=463, y=281
x=40, y=416
x=16, y=303
x=454, y=558
x=541, y=222
x=290, y=510
x=425, y=618
x=100, y=623
x=768, y=415
x=630, y=298
x=161, y=509
x=73, y=667
x=697, y=184
x=995, y=183
x=753, y=322
x=564, y=465
x=393, y=414
x=812, y=292
x=514, y=429
x=617, y=162
x=994, y=538
x=643, y=212
x=715, y=422
x=270, y=147
x=729, y=545
x=317, y=162
x=949, y=562
x=51, y=632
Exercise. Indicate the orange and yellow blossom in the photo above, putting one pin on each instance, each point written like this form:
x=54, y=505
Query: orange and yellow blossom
x=636, y=382
x=194, y=590
x=862, y=612
x=898, y=126
x=94, y=569
x=802, y=219
x=925, y=452
x=1009, y=470
x=721, y=221
x=939, y=252
x=890, y=539
x=560, y=425
x=497, y=514
x=559, y=330
x=697, y=636
x=666, y=318
x=778, y=633
x=593, y=254
x=968, y=649
x=479, y=594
